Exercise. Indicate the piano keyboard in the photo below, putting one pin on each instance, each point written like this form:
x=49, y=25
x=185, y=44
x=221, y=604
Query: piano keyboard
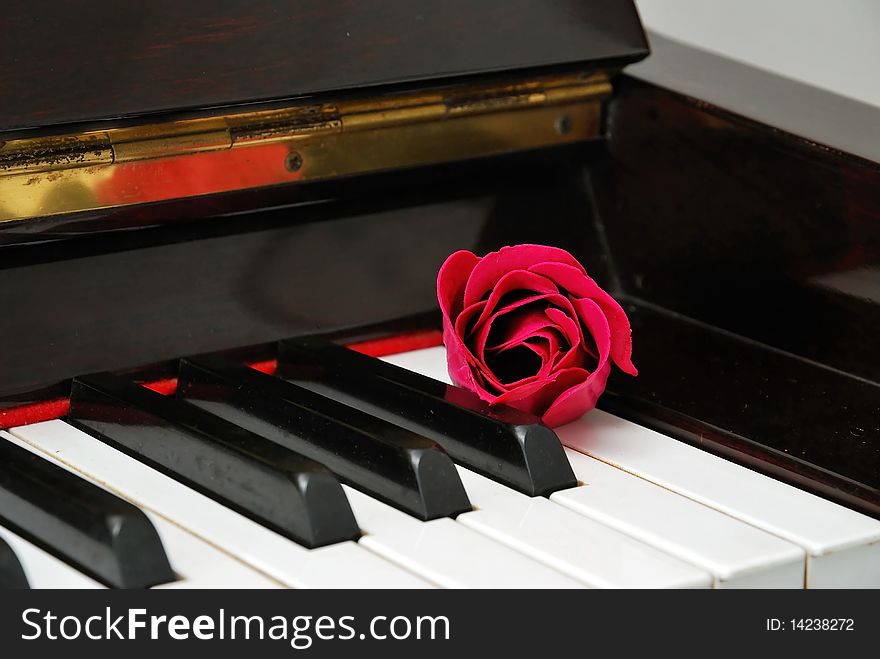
x=330, y=475
x=633, y=474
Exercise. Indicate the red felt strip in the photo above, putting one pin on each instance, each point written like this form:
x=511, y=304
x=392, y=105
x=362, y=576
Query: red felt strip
x=166, y=387
x=392, y=345
x=57, y=408
x=34, y=412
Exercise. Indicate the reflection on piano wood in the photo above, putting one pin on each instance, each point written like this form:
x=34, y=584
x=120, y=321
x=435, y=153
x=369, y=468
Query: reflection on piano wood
x=103, y=169
x=636, y=509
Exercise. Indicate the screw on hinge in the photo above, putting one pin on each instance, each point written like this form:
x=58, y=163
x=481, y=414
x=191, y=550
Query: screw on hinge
x=563, y=124
x=293, y=162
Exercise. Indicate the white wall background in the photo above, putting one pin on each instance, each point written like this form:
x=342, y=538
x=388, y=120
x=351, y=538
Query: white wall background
x=831, y=44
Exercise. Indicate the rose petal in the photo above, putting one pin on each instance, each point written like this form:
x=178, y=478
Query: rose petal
x=552, y=308
x=569, y=327
x=488, y=382
x=495, y=265
x=451, y=281
x=546, y=342
x=523, y=325
x=517, y=280
x=544, y=347
x=507, y=367
x=582, y=286
x=463, y=323
x=594, y=318
x=540, y=395
x=461, y=362
x=541, y=348
x=581, y=398
x=481, y=332
x=543, y=343
x=492, y=383
x=576, y=352
x=573, y=403
x=457, y=364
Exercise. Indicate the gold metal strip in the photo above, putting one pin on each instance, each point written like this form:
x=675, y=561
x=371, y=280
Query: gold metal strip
x=117, y=167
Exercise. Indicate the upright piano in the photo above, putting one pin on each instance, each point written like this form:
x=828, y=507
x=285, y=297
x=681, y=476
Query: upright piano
x=220, y=230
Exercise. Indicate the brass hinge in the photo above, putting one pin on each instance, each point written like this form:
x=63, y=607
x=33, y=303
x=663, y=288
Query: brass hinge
x=153, y=162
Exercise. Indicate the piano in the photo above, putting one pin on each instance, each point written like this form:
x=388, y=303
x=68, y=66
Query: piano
x=220, y=229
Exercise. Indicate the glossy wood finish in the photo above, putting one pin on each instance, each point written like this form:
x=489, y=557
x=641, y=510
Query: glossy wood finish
x=751, y=271
x=504, y=444
x=87, y=60
x=260, y=277
x=276, y=487
x=84, y=525
x=808, y=424
x=761, y=248
x=742, y=227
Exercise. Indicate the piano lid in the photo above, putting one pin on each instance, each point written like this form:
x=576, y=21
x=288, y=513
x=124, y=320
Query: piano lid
x=86, y=61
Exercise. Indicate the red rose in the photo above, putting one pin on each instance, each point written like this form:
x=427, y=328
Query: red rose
x=527, y=327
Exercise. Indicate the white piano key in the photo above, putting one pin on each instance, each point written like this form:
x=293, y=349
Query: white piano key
x=196, y=563
x=843, y=546
x=737, y=554
x=42, y=569
x=343, y=565
x=575, y=545
x=427, y=361
x=446, y=552
x=199, y=565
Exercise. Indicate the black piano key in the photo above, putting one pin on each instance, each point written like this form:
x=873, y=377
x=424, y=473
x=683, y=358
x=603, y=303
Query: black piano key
x=85, y=526
x=268, y=483
x=502, y=443
x=11, y=572
x=395, y=465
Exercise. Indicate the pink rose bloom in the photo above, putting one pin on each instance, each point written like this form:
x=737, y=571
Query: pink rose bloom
x=527, y=327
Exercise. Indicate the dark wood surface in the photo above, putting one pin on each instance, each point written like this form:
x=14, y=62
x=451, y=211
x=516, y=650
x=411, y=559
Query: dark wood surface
x=744, y=227
x=120, y=300
x=801, y=422
x=82, y=60
x=747, y=259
